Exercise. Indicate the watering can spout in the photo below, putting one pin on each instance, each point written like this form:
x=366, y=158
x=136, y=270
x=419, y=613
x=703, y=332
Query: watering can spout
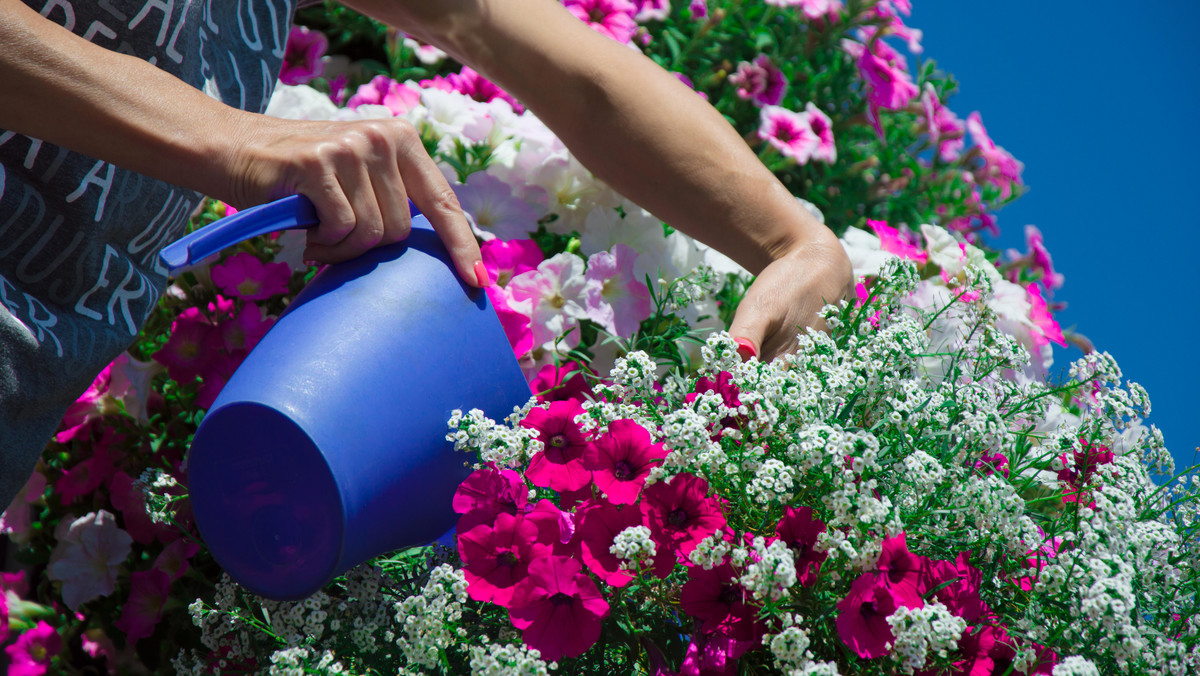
x=328, y=445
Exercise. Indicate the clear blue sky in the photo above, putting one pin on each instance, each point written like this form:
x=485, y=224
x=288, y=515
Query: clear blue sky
x=1101, y=101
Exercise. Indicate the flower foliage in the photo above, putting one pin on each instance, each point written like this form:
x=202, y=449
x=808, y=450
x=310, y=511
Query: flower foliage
x=913, y=491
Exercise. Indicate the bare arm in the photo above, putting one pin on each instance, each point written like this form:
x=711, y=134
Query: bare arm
x=651, y=138
x=121, y=109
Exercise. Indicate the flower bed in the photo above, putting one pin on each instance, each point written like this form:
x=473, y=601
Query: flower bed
x=914, y=491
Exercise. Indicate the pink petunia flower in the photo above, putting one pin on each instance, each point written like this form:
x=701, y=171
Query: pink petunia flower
x=799, y=529
x=496, y=557
x=85, y=560
x=651, y=10
x=862, y=621
x=1046, y=330
x=616, y=300
x=33, y=652
x=788, y=132
x=302, y=56
x=680, y=513
x=889, y=86
x=486, y=493
x=621, y=459
x=943, y=126
x=505, y=259
x=599, y=523
x=470, y=83
x=384, y=91
x=494, y=211
x=698, y=9
x=558, y=608
x=216, y=374
x=718, y=601
x=1038, y=259
x=893, y=241
x=131, y=503
x=999, y=167
x=822, y=126
x=143, y=610
x=760, y=81
x=613, y=18
x=90, y=405
x=244, y=276
x=15, y=521
x=990, y=463
x=557, y=291
x=560, y=465
x=243, y=331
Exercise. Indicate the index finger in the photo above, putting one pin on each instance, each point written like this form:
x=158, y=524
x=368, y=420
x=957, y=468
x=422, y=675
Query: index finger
x=432, y=194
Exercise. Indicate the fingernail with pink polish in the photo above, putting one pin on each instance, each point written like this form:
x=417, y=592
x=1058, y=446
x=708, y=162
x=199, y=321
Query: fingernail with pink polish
x=481, y=275
x=746, y=348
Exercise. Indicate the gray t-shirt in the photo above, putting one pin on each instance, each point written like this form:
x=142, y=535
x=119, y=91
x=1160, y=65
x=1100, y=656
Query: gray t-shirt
x=79, y=238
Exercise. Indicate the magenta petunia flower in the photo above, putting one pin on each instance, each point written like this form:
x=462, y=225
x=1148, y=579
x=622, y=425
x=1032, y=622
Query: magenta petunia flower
x=862, y=621
x=999, y=167
x=560, y=465
x=92, y=404
x=216, y=374
x=599, y=523
x=680, y=513
x=487, y=492
x=651, y=10
x=903, y=571
x=822, y=126
x=889, y=85
x=32, y=653
x=469, y=82
x=505, y=259
x=173, y=559
x=384, y=91
x=143, y=610
x=990, y=463
x=799, y=529
x=961, y=596
x=496, y=556
x=243, y=331
x=85, y=477
x=943, y=126
x=514, y=318
x=193, y=342
x=893, y=241
x=718, y=601
x=613, y=18
x=788, y=132
x=760, y=82
x=558, y=608
x=557, y=383
x=1046, y=330
x=713, y=654
x=556, y=528
x=15, y=520
x=131, y=502
x=621, y=459
x=244, y=276
x=728, y=390
x=1038, y=260
x=302, y=56
x=698, y=9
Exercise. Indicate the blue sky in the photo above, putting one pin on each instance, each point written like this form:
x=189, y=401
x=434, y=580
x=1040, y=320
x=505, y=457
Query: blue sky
x=1101, y=101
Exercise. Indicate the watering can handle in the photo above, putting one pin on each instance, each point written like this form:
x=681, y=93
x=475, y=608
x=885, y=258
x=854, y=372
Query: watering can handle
x=295, y=211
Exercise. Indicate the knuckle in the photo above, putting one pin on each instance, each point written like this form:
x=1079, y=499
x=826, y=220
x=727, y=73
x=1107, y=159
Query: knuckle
x=445, y=200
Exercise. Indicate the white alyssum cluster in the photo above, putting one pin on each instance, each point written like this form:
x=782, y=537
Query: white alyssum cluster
x=633, y=373
x=773, y=482
x=711, y=551
x=921, y=631
x=1075, y=666
x=506, y=445
x=634, y=547
x=772, y=573
x=492, y=659
x=297, y=662
x=429, y=619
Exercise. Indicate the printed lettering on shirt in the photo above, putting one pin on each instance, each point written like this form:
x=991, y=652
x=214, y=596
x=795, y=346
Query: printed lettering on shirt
x=67, y=10
x=93, y=178
x=133, y=285
x=31, y=314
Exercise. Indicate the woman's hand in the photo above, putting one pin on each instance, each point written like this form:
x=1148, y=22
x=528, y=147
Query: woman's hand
x=359, y=176
x=786, y=295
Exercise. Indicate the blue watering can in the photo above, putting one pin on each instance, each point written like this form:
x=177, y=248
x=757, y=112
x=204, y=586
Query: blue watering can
x=328, y=445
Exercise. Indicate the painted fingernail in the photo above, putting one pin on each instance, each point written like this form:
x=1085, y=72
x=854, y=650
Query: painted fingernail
x=746, y=348
x=481, y=275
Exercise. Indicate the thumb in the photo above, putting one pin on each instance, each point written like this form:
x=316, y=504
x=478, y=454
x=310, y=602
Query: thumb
x=749, y=328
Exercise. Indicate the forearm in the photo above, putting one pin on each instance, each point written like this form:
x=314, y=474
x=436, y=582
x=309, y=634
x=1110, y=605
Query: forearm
x=108, y=105
x=630, y=122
